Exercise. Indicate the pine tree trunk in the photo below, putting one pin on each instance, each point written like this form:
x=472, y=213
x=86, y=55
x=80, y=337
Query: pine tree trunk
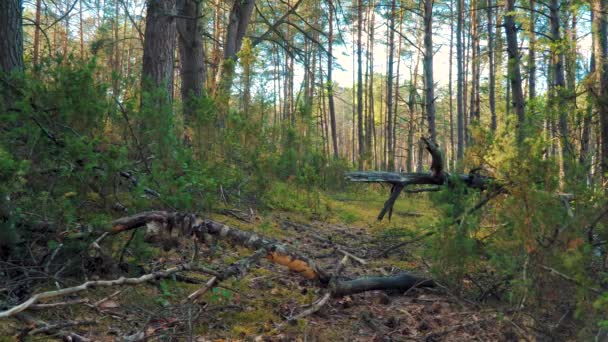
x=600, y=30
x=11, y=45
x=360, y=137
x=532, y=52
x=429, y=83
x=389, y=87
x=191, y=54
x=159, y=48
x=492, y=70
x=514, y=68
x=330, y=85
x=460, y=81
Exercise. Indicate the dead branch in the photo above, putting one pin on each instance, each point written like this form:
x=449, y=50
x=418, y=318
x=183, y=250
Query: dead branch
x=92, y=284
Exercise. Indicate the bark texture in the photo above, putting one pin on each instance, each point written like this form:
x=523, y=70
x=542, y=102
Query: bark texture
x=159, y=47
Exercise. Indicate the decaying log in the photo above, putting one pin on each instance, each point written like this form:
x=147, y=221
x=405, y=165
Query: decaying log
x=399, y=180
x=399, y=282
x=190, y=224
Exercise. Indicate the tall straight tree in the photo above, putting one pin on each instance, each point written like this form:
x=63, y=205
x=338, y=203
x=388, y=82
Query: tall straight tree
x=330, y=85
x=514, y=72
x=532, y=52
x=491, y=65
x=460, y=78
x=429, y=83
x=360, y=84
x=389, y=87
x=559, y=85
x=600, y=30
x=475, y=63
x=159, y=47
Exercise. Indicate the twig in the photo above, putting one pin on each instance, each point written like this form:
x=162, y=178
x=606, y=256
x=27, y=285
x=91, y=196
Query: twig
x=401, y=244
x=239, y=268
x=568, y=278
x=352, y=256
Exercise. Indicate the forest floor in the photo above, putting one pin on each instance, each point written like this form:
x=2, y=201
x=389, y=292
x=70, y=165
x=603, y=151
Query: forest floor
x=257, y=306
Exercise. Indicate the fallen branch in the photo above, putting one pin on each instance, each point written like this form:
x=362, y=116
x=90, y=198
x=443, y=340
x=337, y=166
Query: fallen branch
x=92, y=284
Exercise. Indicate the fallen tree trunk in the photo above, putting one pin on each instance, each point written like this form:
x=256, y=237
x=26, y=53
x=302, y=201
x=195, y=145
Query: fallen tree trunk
x=193, y=225
x=190, y=224
x=399, y=181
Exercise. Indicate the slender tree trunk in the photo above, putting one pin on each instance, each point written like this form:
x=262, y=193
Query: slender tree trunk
x=389, y=87
x=396, y=100
x=460, y=81
x=81, y=29
x=559, y=86
x=451, y=89
x=584, y=158
x=532, y=52
x=35, y=57
x=600, y=29
x=491, y=65
x=372, y=114
x=429, y=83
x=475, y=63
x=116, y=53
x=330, y=85
x=514, y=69
x=360, y=84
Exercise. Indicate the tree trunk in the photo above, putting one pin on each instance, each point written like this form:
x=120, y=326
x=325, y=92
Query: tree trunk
x=492, y=70
x=475, y=63
x=532, y=52
x=191, y=54
x=360, y=85
x=240, y=16
x=330, y=85
x=159, y=48
x=600, y=30
x=514, y=69
x=559, y=87
x=460, y=81
x=389, y=88
x=429, y=83
x=35, y=58
x=451, y=88
x=11, y=45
